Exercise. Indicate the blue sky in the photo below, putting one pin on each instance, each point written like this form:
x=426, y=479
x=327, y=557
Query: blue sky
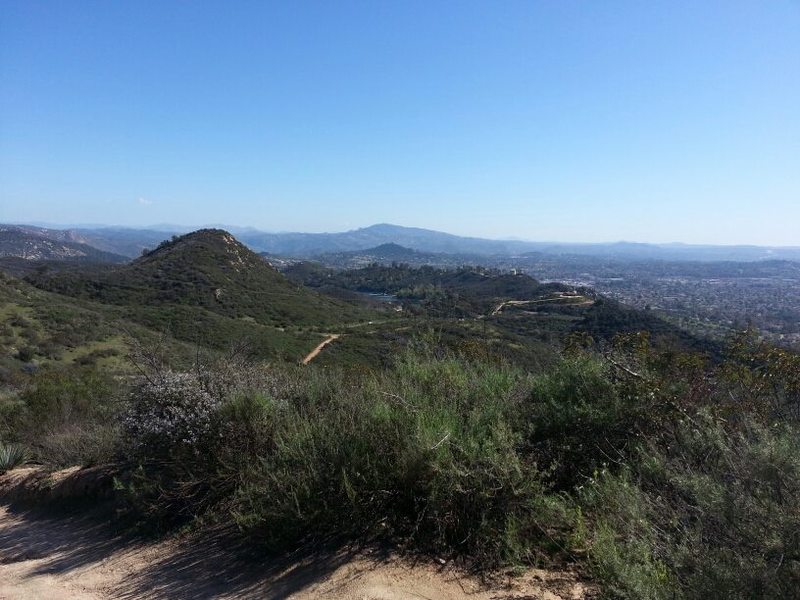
x=558, y=120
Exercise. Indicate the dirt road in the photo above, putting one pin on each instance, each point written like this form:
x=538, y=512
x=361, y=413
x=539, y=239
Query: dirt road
x=313, y=354
x=76, y=557
x=570, y=300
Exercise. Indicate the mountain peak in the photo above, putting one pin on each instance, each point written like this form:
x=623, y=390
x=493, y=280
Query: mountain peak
x=203, y=245
x=386, y=228
x=210, y=269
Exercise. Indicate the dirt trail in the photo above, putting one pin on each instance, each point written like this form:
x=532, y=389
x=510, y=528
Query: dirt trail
x=76, y=557
x=313, y=354
x=583, y=302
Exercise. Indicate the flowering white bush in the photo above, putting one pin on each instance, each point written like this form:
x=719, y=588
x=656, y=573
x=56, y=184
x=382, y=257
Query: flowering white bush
x=175, y=410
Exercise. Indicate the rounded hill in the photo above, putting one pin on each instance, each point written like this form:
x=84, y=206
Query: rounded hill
x=209, y=268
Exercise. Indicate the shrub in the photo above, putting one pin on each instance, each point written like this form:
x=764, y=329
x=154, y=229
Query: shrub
x=426, y=454
x=626, y=455
x=11, y=455
x=713, y=514
x=85, y=444
x=63, y=395
x=25, y=354
x=18, y=320
x=65, y=416
x=173, y=410
x=580, y=418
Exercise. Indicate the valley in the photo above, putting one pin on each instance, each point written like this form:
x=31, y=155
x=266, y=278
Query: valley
x=440, y=407
x=699, y=289
x=208, y=290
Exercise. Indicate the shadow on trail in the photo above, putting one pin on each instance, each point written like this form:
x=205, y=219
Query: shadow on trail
x=207, y=570
x=209, y=567
x=67, y=541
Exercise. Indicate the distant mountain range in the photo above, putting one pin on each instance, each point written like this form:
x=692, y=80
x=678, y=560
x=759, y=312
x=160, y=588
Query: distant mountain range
x=36, y=243
x=131, y=242
x=424, y=240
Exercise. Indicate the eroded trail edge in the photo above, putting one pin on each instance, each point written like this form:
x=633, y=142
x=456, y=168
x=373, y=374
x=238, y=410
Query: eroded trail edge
x=77, y=556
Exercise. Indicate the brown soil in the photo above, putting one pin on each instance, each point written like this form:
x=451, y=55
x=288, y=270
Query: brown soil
x=77, y=556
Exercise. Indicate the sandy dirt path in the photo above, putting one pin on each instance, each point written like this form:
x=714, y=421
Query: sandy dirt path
x=313, y=354
x=77, y=557
x=584, y=302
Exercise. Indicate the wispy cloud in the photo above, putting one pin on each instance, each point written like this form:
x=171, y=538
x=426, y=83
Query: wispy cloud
x=144, y=201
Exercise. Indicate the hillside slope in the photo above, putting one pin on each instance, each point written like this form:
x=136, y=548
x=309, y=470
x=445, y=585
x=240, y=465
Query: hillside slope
x=33, y=243
x=517, y=303
x=210, y=269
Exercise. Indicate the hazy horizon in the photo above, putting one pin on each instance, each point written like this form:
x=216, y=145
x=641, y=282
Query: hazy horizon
x=179, y=228
x=574, y=122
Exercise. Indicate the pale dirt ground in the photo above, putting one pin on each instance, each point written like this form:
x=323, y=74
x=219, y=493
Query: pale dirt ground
x=76, y=556
x=313, y=354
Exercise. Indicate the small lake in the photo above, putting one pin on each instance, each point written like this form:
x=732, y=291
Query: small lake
x=389, y=298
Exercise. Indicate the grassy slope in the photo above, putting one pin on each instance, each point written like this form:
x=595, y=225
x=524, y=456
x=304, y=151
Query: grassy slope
x=59, y=330
x=208, y=290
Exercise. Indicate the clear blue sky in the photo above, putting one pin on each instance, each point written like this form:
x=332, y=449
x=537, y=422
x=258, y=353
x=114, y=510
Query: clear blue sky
x=557, y=120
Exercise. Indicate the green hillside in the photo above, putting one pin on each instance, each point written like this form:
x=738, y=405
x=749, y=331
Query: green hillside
x=204, y=289
x=207, y=289
x=208, y=269
x=517, y=305
x=41, y=329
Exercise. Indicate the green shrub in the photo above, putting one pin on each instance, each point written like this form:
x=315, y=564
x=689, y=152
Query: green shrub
x=26, y=354
x=66, y=416
x=6, y=332
x=11, y=455
x=626, y=456
x=426, y=454
x=715, y=513
x=580, y=417
x=62, y=395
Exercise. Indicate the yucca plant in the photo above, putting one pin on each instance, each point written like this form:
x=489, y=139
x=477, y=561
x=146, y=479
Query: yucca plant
x=11, y=455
